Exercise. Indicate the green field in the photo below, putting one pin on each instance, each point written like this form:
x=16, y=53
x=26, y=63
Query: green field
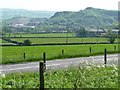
x=14, y=54
x=4, y=42
x=62, y=40
x=56, y=38
x=72, y=77
x=42, y=35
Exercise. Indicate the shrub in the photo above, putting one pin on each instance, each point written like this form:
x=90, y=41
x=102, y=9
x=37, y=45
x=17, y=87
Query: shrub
x=111, y=36
x=27, y=42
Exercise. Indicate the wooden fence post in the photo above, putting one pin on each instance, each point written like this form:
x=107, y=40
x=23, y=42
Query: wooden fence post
x=41, y=72
x=62, y=52
x=44, y=60
x=90, y=49
x=105, y=57
x=24, y=55
x=115, y=48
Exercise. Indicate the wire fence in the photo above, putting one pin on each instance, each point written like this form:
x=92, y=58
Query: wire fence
x=43, y=56
x=28, y=56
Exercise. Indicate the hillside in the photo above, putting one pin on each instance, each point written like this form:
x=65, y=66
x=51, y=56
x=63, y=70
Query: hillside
x=11, y=13
x=90, y=17
x=24, y=20
x=17, y=20
x=61, y=21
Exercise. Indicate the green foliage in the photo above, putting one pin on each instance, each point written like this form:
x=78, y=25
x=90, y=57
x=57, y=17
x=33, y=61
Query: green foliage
x=73, y=77
x=90, y=17
x=111, y=36
x=27, y=42
x=6, y=29
x=81, y=33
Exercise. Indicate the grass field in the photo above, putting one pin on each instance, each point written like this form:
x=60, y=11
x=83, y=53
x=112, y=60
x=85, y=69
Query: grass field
x=62, y=40
x=4, y=42
x=72, y=77
x=42, y=35
x=58, y=38
x=14, y=54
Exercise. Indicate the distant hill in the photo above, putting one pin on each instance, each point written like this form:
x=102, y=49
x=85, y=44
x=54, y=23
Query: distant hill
x=61, y=21
x=90, y=17
x=18, y=20
x=11, y=13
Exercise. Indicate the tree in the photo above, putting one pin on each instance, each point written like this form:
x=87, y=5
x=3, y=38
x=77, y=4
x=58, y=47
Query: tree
x=27, y=42
x=81, y=33
x=111, y=36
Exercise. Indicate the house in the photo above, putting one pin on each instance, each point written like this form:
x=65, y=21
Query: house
x=93, y=32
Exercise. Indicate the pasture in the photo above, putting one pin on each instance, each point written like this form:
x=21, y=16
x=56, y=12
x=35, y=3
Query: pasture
x=55, y=38
x=15, y=54
x=41, y=35
x=61, y=40
x=4, y=42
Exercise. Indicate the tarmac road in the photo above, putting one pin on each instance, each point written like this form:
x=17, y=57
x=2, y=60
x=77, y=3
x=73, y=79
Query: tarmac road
x=59, y=63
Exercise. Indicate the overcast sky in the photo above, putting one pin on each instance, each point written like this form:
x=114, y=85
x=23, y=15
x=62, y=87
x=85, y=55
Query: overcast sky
x=59, y=5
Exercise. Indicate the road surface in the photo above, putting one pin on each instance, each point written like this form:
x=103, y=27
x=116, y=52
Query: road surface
x=61, y=63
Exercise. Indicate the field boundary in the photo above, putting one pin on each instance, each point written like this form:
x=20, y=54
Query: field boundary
x=21, y=44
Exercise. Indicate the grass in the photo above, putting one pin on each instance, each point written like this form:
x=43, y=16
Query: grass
x=61, y=40
x=72, y=77
x=14, y=54
x=4, y=42
x=42, y=35
x=57, y=39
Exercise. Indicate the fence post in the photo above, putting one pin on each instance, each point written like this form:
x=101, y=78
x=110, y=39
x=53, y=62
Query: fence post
x=90, y=49
x=44, y=60
x=62, y=52
x=105, y=57
x=115, y=48
x=41, y=72
x=24, y=55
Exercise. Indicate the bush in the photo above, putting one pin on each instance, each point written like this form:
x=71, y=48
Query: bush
x=27, y=42
x=111, y=36
x=81, y=33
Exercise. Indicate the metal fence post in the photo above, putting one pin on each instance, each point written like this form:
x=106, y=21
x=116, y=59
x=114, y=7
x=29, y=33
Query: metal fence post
x=41, y=72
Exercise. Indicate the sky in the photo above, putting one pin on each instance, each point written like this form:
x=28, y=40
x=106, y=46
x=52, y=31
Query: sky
x=59, y=5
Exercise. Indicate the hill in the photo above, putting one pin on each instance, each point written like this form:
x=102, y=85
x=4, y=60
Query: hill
x=90, y=17
x=11, y=13
x=62, y=21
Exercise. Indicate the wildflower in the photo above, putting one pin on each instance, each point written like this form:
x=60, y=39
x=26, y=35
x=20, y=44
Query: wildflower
x=98, y=66
x=3, y=75
x=115, y=67
x=88, y=67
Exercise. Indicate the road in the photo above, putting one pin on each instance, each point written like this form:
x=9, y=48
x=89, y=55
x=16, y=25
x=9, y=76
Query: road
x=59, y=63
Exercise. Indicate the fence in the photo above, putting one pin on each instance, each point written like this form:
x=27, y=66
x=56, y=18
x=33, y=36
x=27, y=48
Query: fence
x=52, y=53
x=42, y=67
